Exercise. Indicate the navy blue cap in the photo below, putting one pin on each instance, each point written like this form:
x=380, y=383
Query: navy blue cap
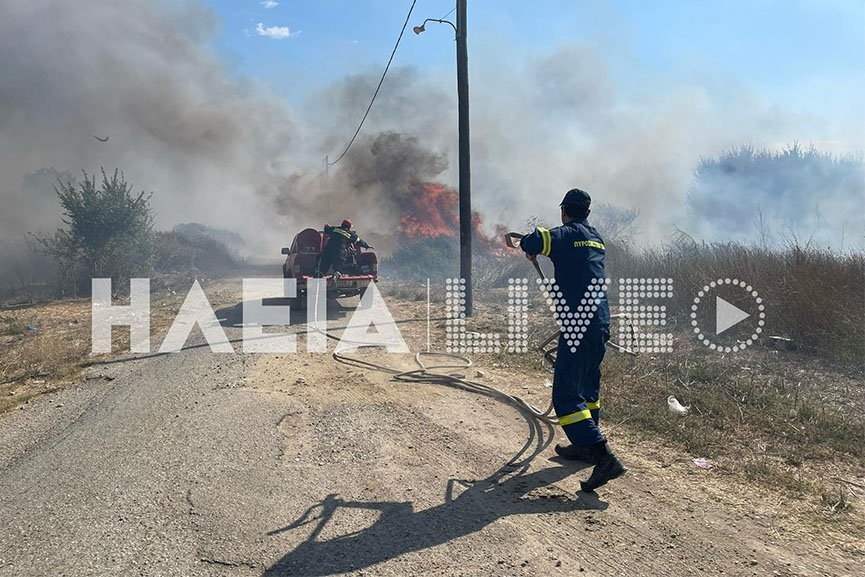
x=577, y=197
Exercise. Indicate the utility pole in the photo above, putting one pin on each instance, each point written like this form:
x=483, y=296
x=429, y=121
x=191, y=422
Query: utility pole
x=465, y=183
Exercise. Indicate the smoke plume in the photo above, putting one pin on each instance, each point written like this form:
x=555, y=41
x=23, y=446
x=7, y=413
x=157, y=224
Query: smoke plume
x=142, y=74
x=220, y=149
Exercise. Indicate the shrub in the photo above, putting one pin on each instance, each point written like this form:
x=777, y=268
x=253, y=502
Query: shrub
x=108, y=231
x=189, y=254
x=779, y=193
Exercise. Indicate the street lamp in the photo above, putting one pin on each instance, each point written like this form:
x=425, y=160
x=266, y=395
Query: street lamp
x=422, y=27
x=465, y=179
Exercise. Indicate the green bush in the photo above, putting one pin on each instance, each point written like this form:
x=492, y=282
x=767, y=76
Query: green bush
x=107, y=232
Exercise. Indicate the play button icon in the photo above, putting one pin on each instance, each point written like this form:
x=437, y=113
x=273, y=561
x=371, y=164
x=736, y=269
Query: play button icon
x=727, y=315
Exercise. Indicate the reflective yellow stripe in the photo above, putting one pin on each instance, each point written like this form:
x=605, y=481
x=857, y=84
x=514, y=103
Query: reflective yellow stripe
x=547, y=241
x=342, y=232
x=591, y=243
x=574, y=418
x=593, y=405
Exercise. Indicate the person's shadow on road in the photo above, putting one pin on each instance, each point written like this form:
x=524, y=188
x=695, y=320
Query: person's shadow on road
x=399, y=529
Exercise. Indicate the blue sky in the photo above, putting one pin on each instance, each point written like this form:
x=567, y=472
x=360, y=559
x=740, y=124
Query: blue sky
x=805, y=55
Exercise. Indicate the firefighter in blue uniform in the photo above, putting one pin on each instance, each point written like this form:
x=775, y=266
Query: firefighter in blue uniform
x=577, y=252
x=335, y=253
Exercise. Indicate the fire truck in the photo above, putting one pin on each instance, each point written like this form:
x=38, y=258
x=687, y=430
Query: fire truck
x=302, y=261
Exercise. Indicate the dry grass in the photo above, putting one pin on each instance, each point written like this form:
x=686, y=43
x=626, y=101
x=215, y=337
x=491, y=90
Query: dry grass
x=813, y=296
x=788, y=421
x=40, y=341
x=781, y=419
x=766, y=400
x=47, y=346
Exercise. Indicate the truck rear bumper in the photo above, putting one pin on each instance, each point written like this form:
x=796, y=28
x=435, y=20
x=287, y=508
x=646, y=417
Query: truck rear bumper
x=347, y=285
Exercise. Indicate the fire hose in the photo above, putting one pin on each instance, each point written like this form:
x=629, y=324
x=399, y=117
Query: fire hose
x=509, y=240
x=429, y=374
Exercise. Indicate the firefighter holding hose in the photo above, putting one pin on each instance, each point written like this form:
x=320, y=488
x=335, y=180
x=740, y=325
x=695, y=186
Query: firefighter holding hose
x=577, y=252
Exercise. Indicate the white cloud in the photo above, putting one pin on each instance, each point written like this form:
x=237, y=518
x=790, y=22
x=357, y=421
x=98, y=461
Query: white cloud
x=270, y=3
x=275, y=32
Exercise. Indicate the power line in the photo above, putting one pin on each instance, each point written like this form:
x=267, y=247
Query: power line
x=449, y=13
x=383, y=74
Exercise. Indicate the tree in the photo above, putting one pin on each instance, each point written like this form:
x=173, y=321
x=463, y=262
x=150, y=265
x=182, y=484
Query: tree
x=792, y=190
x=108, y=231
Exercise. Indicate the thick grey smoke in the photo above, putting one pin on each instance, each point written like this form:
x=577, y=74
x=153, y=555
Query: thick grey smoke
x=142, y=74
x=371, y=185
x=219, y=149
x=567, y=123
x=543, y=124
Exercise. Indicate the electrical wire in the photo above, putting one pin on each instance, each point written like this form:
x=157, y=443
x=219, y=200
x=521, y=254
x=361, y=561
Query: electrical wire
x=381, y=80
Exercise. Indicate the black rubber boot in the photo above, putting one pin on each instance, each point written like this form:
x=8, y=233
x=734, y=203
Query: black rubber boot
x=607, y=467
x=576, y=453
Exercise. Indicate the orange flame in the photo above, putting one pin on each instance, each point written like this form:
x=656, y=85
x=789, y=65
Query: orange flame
x=432, y=209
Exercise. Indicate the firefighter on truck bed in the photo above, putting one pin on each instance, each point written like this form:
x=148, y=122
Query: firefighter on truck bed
x=577, y=252
x=336, y=252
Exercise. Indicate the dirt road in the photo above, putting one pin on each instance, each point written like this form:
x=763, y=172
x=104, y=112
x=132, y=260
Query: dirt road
x=235, y=464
